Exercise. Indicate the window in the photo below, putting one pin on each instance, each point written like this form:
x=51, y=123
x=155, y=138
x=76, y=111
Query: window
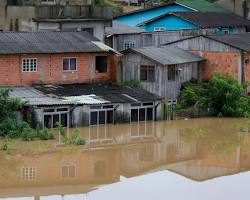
x=69, y=64
x=142, y=113
x=128, y=44
x=52, y=116
x=171, y=72
x=159, y=28
x=48, y=1
x=29, y=65
x=28, y=173
x=147, y=73
x=101, y=64
x=68, y=171
x=102, y=115
x=89, y=30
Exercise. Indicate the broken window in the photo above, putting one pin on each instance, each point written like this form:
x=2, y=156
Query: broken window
x=101, y=64
x=147, y=73
x=171, y=73
x=29, y=65
x=69, y=64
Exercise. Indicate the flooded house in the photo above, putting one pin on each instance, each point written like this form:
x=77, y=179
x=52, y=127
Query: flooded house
x=72, y=60
x=161, y=70
x=225, y=54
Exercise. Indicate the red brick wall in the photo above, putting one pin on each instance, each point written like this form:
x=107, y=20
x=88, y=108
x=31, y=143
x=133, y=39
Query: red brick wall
x=246, y=66
x=49, y=69
x=219, y=62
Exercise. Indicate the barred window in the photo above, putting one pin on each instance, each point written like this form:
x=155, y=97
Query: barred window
x=28, y=173
x=147, y=73
x=29, y=65
x=128, y=44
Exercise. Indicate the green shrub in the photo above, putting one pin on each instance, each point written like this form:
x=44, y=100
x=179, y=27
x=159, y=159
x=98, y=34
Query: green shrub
x=28, y=134
x=7, y=143
x=223, y=94
x=132, y=83
x=45, y=134
x=76, y=139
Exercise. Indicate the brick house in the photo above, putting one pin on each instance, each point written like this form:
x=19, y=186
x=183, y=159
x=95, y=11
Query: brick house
x=54, y=58
x=225, y=54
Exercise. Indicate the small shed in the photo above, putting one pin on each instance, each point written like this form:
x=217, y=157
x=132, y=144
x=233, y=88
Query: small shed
x=161, y=70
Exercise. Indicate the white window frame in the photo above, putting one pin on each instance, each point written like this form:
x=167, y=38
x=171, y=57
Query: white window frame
x=128, y=44
x=157, y=29
x=48, y=2
x=28, y=63
x=28, y=173
x=69, y=70
x=68, y=166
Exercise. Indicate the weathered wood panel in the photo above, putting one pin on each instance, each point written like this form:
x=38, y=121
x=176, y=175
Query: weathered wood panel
x=131, y=63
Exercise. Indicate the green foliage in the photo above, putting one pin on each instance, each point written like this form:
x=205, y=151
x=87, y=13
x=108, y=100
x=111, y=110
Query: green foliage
x=60, y=128
x=132, y=83
x=76, y=138
x=28, y=134
x=223, y=94
x=45, y=134
x=7, y=143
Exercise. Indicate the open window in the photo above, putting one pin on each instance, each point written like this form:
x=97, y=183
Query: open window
x=101, y=64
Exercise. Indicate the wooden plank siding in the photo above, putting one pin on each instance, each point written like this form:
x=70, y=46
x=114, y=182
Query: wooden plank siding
x=131, y=63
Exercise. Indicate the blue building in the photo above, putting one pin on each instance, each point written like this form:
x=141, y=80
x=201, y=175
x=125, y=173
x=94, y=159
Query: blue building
x=137, y=17
x=208, y=22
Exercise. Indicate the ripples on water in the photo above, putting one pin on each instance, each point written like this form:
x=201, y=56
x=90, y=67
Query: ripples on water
x=185, y=159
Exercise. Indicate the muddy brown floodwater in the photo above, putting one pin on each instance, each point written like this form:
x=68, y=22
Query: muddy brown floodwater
x=196, y=159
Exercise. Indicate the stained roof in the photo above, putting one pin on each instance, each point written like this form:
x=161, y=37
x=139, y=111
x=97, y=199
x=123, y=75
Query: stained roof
x=238, y=41
x=167, y=55
x=110, y=93
x=32, y=97
x=212, y=19
x=120, y=28
x=49, y=42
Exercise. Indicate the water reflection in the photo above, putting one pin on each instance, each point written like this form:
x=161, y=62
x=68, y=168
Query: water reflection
x=199, y=150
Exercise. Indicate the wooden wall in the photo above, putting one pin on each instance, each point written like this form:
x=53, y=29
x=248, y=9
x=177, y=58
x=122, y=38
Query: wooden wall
x=131, y=62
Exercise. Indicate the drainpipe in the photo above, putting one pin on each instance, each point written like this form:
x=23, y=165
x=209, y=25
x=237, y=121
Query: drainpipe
x=241, y=73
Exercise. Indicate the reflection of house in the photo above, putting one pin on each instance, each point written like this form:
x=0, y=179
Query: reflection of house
x=150, y=155
x=226, y=54
x=70, y=173
x=161, y=70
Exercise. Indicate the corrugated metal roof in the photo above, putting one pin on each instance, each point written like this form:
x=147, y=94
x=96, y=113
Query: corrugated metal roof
x=87, y=99
x=212, y=19
x=48, y=42
x=110, y=93
x=120, y=28
x=33, y=97
x=167, y=55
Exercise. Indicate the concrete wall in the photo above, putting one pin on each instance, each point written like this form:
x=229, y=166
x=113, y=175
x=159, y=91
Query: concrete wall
x=49, y=69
